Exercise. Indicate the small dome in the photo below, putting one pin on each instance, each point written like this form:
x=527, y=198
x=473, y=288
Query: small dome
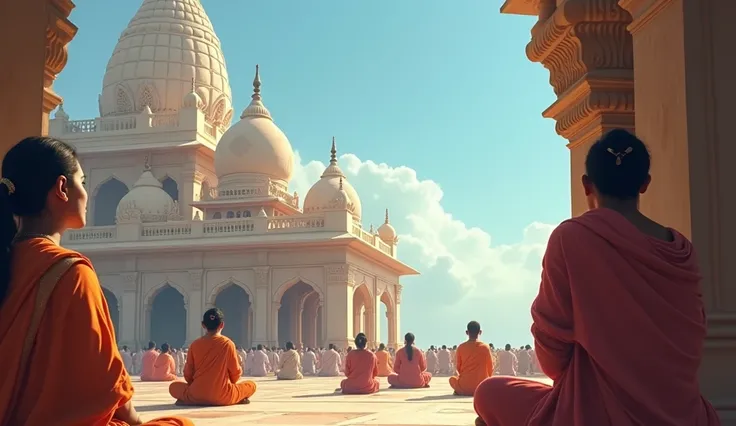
x=387, y=232
x=61, y=114
x=147, y=202
x=255, y=145
x=192, y=99
x=328, y=189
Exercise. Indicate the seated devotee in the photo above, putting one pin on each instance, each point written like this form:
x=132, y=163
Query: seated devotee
x=289, y=364
x=385, y=365
x=444, y=359
x=148, y=360
x=525, y=362
x=309, y=363
x=164, y=367
x=260, y=364
x=212, y=369
x=474, y=362
x=42, y=188
x=507, y=362
x=127, y=359
x=273, y=358
x=330, y=364
x=608, y=261
x=410, y=367
x=361, y=369
x=431, y=360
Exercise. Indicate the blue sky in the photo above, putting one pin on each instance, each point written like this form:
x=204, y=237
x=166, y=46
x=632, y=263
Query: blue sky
x=440, y=91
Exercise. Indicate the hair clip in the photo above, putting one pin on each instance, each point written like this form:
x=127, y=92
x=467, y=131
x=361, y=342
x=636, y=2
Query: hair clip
x=212, y=317
x=620, y=155
x=9, y=184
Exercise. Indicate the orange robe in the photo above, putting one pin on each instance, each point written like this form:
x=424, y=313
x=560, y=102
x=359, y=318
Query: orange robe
x=410, y=374
x=212, y=372
x=607, y=292
x=385, y=366
x=474, y=364
x=164, y=369
x=147, y=364
x=361, y=370
x=75, y=336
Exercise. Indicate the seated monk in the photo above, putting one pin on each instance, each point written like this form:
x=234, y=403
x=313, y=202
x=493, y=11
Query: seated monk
x=385, y=366
x=613, y=281
x=410, y=367
x=54, y=318
x=290, y=364
x=361, y=369
x=260, y=364
x=148, y=360
x=164, y=369
x=330, y=363
x=212, y=369
x=474, y=362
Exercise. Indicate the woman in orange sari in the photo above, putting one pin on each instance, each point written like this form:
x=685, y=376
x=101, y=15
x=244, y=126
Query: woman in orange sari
x=57, y=342
x=385, y=365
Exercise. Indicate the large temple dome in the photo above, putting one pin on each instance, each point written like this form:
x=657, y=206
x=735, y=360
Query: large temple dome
x=166, y=45
x=254, y=147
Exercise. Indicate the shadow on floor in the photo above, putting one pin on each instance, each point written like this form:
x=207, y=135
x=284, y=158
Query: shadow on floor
x=161, y=407
x=318, y=395
x=440, y=398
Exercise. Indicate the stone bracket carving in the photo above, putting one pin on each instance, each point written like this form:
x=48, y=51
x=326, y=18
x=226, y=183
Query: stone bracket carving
x=262, y=276
x=399, y=288
x=59, y=32
x=130, y=281
x=195, y=279
x=340, y=274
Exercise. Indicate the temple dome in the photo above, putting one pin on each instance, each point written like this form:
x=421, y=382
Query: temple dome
x=254, y=146
x=166, y=45
x=330, y=187
x=146, y=202
x=387, y=232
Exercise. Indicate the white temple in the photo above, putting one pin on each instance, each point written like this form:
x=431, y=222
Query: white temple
x=187, y=212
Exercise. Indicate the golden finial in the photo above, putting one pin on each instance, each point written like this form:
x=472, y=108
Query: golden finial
x=333, y=152
x=386, y=216
x=257, y=85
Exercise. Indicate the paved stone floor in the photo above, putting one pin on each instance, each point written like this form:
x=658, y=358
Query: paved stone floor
x=313, y=401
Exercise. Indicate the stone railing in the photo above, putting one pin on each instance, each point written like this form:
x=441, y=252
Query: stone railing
x=271, y=190
x=190, y=230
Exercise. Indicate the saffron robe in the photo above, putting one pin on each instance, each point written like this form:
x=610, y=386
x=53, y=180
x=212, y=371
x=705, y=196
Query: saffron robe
x=147, y=362
x=524, y=363
x=385, y=366
x=410, y=374
x=290, y=366
x=474, y=364
x=260, y=364
x=361, y=370
x=164, y=369
x=212, y=372
x=330, y=365
x=75, y=334
x=431, y=361
x=628, y=291
x=444, y=357
x=507, y=363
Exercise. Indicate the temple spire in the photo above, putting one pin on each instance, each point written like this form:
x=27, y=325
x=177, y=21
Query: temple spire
x=333, y=152
x=257, y=85
x=386, y=216
x=256, y=107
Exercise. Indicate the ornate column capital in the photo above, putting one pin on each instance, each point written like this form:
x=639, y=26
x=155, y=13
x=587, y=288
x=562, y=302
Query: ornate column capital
x=340, y=274
x=59, y=32
x=399, y=287
x=587, y=49
x=262, y=276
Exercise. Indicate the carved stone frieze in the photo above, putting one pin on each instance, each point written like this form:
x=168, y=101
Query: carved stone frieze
x=195, y=279
x=340, y=274
x=130, y=281
x=262, y=277
x=399, y=287
x=59, y=32
x=588, y=51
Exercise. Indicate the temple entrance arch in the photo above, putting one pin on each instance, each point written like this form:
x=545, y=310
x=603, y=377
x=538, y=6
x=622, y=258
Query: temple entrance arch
x=363, y=313
x=113, y=307
x=235, y=303
x=168, y=317
x=171, y=187
x=388, y=320
x=107, y=197
x=291, y=307
x=311, y=323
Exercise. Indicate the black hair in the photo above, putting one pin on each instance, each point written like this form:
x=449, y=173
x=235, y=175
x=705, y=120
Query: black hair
x=473, y=329
x=331, y=346
x=289, y=346
x=361, y=341
x=260, y=347
x=507, y=347
x=151, y=344
x=164, y=347
x=409, y=340
x=29, y=171
x=381, y=347
x=618, y=164
x=212, y=319
x=444, y=346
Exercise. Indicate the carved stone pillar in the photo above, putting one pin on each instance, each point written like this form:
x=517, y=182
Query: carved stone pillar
x=338, y=307
x=262, y=316
x=196, y=307
x=33, y=39
x=587, y=49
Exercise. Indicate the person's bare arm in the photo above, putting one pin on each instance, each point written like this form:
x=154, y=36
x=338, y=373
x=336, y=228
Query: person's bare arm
x=128, y=414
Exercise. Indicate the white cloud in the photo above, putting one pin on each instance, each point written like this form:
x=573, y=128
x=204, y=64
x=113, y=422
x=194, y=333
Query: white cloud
x=464, y=276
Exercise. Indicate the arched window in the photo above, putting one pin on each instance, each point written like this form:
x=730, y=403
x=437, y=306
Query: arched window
x=171, y=188
x=230, y=215
x=246, y=213
x=237, y=214
x=217, y=215
x=106, y=202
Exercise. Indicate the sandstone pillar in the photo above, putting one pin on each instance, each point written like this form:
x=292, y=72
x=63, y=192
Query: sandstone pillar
x=33, y=40
x=683, y=50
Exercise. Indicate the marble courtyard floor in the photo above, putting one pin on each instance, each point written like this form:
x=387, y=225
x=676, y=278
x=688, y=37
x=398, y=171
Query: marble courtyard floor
x=313, y=401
